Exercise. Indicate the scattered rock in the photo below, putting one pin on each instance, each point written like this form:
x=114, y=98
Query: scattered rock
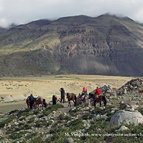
x=86, y=124
x=124, y=106
x=130, y=86
x=1, y=132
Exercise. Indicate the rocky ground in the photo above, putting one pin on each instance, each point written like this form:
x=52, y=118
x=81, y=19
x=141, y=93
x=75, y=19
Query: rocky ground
x=134, y=85
x=59, y=124
x=120, y=122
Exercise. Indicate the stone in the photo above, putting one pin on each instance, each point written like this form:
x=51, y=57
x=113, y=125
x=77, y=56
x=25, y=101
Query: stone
x=16, y=123
x=114, y=110
x=124, y=106
x=86, y=123
x=98, y=116
x=123, y=117
x=68, y=140
x=123, y=128
x=1, y=132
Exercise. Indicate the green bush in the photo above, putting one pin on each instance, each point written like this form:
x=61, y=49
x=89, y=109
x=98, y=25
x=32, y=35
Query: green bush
x=37, y=140
x=16, y=135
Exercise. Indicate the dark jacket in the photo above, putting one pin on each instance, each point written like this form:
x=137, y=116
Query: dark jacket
x=54, y=99
x=31, y=98
x=62, y=92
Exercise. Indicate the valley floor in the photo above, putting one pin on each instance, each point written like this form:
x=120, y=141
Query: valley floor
x=14, y=90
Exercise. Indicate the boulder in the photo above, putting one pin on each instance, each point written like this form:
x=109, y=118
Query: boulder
x=68, y=140
x=123, y=117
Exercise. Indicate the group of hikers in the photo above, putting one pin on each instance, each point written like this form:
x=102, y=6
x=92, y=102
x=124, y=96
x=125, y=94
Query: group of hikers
x=98, y=95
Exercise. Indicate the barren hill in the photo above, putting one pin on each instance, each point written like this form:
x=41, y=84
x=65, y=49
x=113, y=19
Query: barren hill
x=106, y=44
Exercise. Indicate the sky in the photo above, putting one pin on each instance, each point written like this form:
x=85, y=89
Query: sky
x=24, y=11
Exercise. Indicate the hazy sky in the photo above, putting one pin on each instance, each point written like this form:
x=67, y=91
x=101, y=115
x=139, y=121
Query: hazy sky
x=23, y=11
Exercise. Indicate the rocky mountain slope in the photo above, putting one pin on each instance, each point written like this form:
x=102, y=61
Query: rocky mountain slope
x=2, y=30
x=80, y=44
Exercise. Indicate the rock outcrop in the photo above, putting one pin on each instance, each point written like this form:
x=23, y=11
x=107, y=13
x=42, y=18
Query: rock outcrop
x=134, y=85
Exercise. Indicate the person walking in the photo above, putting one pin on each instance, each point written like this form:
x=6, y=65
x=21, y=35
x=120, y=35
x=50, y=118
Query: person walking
x=62, y=95
x=84, y=93
x=84, y=90
x=31, y=101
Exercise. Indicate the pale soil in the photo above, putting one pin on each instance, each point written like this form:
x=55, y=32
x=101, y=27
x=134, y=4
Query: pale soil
x=16, y=89
x=7, y=107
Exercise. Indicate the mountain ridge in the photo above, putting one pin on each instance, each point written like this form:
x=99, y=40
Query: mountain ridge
x=106, y=44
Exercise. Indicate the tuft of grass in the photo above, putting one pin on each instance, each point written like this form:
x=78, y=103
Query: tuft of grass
x=52, y=108
x=36, y=140
x=127, y=139
x=136, y=129
x=25, y=112
x=140, y=110
x=74, y=112
x=76, y=125
x=13, y=112
x=26, y=127
x=63, y=117
x=17, y=135
x=5, y=121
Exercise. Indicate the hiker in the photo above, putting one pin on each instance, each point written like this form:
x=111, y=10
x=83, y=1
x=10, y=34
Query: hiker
x=54, y=100
x=97, y=96
x=44, y=103
x=104, y=99
x=31, y=101
x=62, y=95
x=83, y=94
x=84, y=90
x=98, y=92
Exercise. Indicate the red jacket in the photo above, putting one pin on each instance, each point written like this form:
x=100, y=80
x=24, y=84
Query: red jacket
x=98, y=92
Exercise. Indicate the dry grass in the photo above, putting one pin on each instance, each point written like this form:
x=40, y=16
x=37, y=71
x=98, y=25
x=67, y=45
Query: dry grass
x=18, y=88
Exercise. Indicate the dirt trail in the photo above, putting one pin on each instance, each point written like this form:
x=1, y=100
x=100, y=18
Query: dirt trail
x=7, y=107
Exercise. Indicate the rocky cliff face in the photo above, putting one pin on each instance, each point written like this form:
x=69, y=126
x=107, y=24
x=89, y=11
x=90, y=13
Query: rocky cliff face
x=103, y=45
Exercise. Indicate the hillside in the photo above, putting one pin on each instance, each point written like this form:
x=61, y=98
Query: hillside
x=120, y=121
x=61, y=124
x=80, y=44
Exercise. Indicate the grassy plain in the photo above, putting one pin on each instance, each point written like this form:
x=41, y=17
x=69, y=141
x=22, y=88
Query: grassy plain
x=14, y=90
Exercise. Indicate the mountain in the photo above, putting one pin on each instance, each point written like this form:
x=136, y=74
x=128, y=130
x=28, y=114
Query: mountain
x=2, y=30
x=106, y=44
